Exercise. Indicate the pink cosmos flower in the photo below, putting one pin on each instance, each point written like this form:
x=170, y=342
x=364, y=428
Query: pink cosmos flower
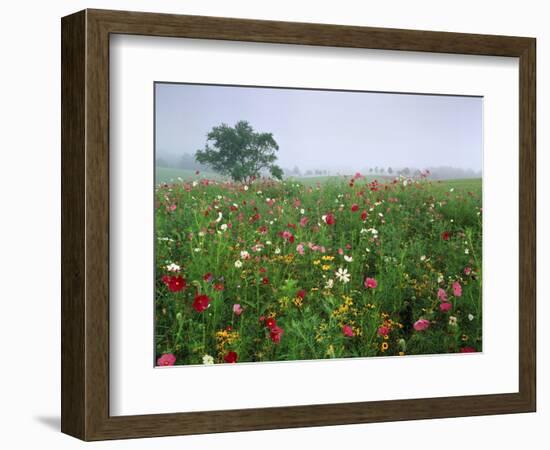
x=167, y=359
x=421, y=324
x=300, y=249
x=172, y=207
x=348, y=331
x=287, y=236
x=340, y=251
x=237, y=309
x=445, y=306
x=442, y=295
x=303, y=221
x=467, y=270
x=457, y=289
x=370, y=283
x=383, y=330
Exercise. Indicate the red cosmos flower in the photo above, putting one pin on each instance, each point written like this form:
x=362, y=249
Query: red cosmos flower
x=174, y=283
x=270, y=322
x=275, y=334
x=265, y=280
x=445, y=235
x=301, y=294
x=354, y=207
x=262, y=319
x=207, y=277
x=254, y=218
x=330, y=219
x=218, y=287
x=348, y=331
x=231, y=357
x=201, y=302
x=167, y=359
x=370, y=283
x=287, y=236
x=364, y=215
x=468, y=350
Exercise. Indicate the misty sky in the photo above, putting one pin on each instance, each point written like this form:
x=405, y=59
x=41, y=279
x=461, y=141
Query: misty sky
x=336, y=130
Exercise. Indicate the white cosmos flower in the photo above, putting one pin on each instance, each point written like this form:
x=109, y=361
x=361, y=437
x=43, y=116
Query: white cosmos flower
x=466, y=251
x=245, y=254
x=207, y=359
x=195, y=183
x=267, y=242
x=470, y=317
x=277, y=251
x=238, y=264
x=302, y=211
x=348, y=258
x=440, y=278
x=223, y=227
x=329, y=284
x=453, y=321
x=173, y=267
x=246, y=188
x=197, y=250
x=342, y=275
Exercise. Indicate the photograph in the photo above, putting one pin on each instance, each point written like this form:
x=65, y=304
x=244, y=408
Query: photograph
x=300, y=224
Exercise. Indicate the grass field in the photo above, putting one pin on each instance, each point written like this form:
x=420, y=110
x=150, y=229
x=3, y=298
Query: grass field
x=302, y=269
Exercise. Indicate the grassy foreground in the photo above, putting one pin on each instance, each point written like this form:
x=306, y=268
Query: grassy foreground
x=276, y=271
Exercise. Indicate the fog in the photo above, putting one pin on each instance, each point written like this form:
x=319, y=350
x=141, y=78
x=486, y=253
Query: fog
x=334, y=131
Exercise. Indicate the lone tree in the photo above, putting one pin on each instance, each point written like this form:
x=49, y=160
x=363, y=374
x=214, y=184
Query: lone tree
x=240, y=152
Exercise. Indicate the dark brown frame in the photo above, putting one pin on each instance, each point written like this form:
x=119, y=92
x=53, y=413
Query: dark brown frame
x=85, y=224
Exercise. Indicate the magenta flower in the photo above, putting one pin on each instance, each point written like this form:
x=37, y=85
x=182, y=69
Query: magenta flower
x=445, y=306
x=457, y=289
x=300, y=249
x=421, y=325
x=348, y=331
x=383, y=330
x=441, y=295
x=167, y=359
x=303, y=221
x=237, y=309
x=370, y=283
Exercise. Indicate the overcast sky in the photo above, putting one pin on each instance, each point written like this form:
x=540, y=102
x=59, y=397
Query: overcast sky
x=337, y=130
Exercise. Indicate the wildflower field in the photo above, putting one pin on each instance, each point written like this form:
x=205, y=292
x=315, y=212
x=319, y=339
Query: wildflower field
x=313, y=269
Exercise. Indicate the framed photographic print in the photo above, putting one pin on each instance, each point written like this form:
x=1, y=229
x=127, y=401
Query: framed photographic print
x=271, y=224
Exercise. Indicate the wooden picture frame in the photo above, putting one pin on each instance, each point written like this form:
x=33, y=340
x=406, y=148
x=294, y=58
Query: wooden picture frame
x=85, y=224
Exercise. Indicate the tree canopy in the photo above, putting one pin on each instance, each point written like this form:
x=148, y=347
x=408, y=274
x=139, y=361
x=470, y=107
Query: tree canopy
x=240, y=152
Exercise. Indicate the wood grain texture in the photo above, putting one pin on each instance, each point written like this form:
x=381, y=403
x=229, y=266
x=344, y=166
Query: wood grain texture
x=85, y=224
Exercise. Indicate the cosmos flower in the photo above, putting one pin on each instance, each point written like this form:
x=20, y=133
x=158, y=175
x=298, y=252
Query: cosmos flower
x=238, y=264
x=442, y=295
x=421, y=325
x=457, y=289
x=343, y=275
x=167, y=359
x=174, y=283
x=201, y=302
x=275, y=334
x=237, y=309
x=445, y=306
x=383, y=330
x=207, y=359
x=348, y=258
x=445, y=235
x=231, y=357
x=173, y=267
x=329, y=219
x=348, y=331
x=370, y=283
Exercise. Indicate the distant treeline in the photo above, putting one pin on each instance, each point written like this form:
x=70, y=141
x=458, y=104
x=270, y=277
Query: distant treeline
x=187, y=161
